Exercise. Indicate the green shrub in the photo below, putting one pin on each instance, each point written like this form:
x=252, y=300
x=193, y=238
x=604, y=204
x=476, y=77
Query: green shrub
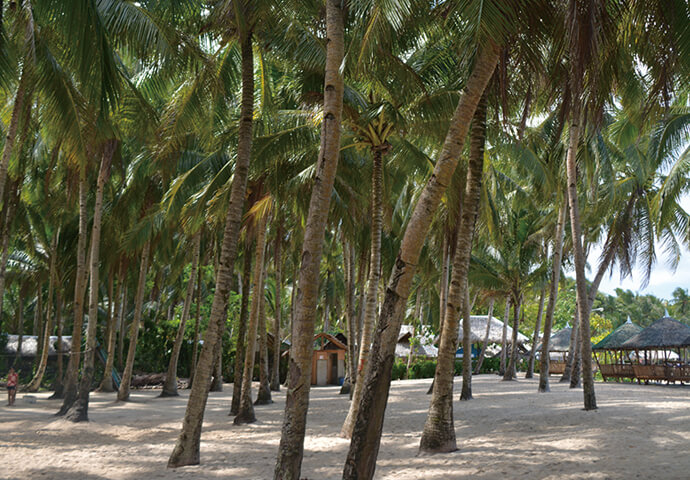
x=399, y=369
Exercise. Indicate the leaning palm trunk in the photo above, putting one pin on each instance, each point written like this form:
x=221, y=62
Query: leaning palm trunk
x=107, y=382
x=186, y=451
x=79, y=411
x=535, y=337
x=439, y=429
x=512, y=364
x=366, y=437
x=372, y=290
x=123, y=392
x=291, y=449
x=70, y=383
x=278, y=254
x=480, y=360
x=170, y=385
x=241, y=347
x=245, y=414
x=38, y=377
x=553, y=295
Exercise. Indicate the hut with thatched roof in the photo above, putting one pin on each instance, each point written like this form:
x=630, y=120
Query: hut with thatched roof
x=663, y=336
x=412, y=338
x=478, y=331
x=613, y=361
x=28, y=345
x=559, y=344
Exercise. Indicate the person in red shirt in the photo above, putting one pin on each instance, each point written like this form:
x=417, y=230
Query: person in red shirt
x=12, y=379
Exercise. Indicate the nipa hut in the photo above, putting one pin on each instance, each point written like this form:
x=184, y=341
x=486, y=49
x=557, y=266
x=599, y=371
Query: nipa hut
x=328, y=361
x=423, y=346
x=559, y=344
x=613, y=361
x=654, y=347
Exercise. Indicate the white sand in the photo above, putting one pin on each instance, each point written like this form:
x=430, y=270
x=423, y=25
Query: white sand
x=507, y=431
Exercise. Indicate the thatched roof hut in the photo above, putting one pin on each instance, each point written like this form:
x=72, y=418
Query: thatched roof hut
x=423, y=348
x=664, y=333
x=615, y=339
x=559, y=341
x=478, y=330
x=30, y=345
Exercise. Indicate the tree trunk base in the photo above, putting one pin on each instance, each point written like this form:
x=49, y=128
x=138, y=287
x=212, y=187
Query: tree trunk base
x=464, y=396
x=590, y=402
x=275, y=387
x=431, y=388
x=263, y=397
x=433, y=447
x=168, y=393
x=183, y=457
x=105, y=388
x=244, y=417
x=216, y=386
x=78, y=412
x=345, y=388
x=529, y=375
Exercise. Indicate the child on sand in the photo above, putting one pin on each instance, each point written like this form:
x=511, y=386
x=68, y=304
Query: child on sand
x=12, y=379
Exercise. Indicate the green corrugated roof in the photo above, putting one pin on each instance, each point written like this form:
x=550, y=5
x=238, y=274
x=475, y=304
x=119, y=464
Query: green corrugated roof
x=615, y=339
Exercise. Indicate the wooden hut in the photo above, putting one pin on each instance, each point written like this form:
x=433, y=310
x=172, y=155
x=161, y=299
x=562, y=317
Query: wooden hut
x=328, y=361
x=613, y=361
x=664, y=336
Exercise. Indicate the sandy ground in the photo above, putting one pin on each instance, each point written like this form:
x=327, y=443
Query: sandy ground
x=508, y=431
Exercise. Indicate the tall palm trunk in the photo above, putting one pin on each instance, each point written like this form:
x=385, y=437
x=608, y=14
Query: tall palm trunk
x=186, y=451
x=291, y=449
x=590, y=402
x=350, y=317
x=537, y=329
x=57, y=385
x=245, y=413
x=38, y=377
x=470, y=211
x=372, y=290
x=512, y=364
x=263, y=396
x=79, y=411
x=70, y=384
x=170, y=385
x=107, y=382
x=241, y=349
x=504, y=339
x=439, y=429
x=11, y=137
x=9, y=209
x=443, y=286
x=489, y=316
x=553, y=295
x=572, y=348
x=278, y=254
x=366, y=437
x=195, y=348
x=122, y=329
x=123, y=392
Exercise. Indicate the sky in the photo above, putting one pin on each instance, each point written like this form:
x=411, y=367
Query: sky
x=662, y=281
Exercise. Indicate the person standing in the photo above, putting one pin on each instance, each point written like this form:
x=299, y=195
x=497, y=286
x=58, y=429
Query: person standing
x=12, y=379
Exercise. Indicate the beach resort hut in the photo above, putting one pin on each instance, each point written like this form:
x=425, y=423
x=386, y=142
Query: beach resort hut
x=613, y=361
x=29, y=345
x=423, y=345
x=328, y=361
x=478, y=331
x=654, y=348
x=559, y=344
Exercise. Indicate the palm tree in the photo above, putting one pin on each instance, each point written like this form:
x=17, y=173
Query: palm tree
x=291, y=447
